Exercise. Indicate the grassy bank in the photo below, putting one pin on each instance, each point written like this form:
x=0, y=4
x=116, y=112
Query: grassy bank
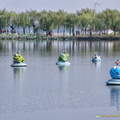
x=44, y=37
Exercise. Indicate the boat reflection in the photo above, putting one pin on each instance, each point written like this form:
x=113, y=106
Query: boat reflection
x=63, y=68
x=115, y=96
x=18, y=72
x=97, y=64
x=18, y=78
x=64, y=82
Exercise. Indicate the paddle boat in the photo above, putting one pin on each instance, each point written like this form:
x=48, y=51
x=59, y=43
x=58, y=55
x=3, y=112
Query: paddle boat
x=19, y=64
x=63, y=59
x=18, y=60
x=96, y=58
x=115, y=75
x=62, y=63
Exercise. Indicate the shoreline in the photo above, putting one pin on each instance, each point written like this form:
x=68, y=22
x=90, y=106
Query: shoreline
x=43, y=37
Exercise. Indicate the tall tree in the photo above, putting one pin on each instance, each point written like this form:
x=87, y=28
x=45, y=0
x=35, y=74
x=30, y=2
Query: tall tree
x=34, y=20
x=48, y=21
x=61, y=20
x=24, y=20
x=112, y=19
x=86, y=19
x=14, y=21
x=4, y=19
x=71, y=22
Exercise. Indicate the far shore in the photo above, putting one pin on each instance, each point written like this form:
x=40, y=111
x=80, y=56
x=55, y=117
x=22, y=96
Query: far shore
x=56, y=37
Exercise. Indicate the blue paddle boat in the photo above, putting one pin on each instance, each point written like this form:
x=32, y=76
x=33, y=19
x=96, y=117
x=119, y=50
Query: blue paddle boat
x=96, y=58
x=115, y=75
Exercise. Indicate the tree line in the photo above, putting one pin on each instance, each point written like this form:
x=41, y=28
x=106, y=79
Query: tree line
x=84, y=19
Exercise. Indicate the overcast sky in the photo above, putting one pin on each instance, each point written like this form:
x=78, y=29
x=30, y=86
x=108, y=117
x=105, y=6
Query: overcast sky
x=67, y=5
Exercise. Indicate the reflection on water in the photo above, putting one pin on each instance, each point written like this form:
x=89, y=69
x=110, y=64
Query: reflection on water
x=63, y=68
x=97, y=64
x=18, y=77
x=18, y=82
x=115, y=96
x=64, y=77
x=18, y=72
x=81, y=46
x=46, y=86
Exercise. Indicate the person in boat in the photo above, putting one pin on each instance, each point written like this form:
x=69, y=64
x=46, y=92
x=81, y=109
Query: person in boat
x=95, y=55
x=18, y=58
x=63, y=56
x=115, y=72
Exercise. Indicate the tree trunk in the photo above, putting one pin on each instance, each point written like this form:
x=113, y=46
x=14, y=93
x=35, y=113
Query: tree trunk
x=58, y=30
x=34, y=30
x=85, y=31
x=114, y=29
x=90, y=32
x=64, y=31
x=99, y=31
x=73, y=31
x=49, y=32
x=24, y=30
x=29, y=29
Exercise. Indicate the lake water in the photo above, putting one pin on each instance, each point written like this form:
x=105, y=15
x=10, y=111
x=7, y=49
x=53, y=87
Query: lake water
x=45, y=91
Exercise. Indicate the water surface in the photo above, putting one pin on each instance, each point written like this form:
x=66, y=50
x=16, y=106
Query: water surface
x=46, y=91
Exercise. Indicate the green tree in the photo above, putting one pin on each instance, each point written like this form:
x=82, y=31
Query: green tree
x=4, y=19
x=71, y=22
x=86, y=19
x=24, y=20
x=48, y=21
x=14, y=20
x=61, y=20
x=112, y=19
x=100, y=24
x=34, y=20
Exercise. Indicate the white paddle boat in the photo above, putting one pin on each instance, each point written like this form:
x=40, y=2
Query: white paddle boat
x=63, y=59
x=62, y=63
x=18, y=60
x=113, y=82
x=21, y=64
